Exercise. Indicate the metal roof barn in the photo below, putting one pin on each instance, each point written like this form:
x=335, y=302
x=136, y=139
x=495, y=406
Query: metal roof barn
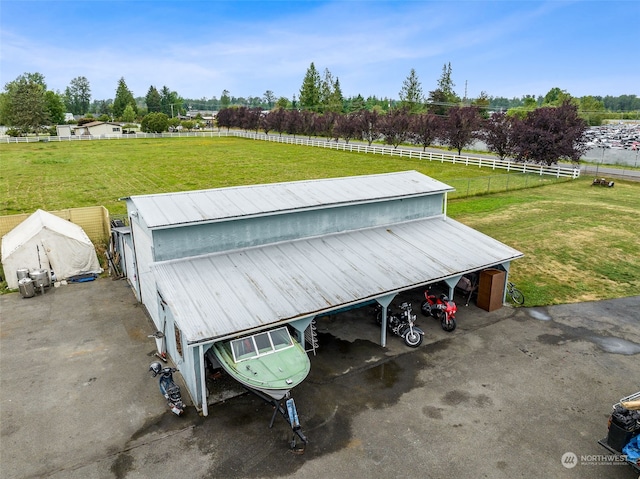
x=219, y=295
x=215, y=264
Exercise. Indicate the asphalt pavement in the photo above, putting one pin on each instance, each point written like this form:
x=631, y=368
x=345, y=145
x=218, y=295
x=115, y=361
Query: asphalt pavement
x=507, y=394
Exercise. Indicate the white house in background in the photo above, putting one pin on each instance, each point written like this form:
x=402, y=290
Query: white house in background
x=99, y=128
x=65, y=130
x=95, y=128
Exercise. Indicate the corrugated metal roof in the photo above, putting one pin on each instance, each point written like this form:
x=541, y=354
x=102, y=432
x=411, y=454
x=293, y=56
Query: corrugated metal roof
x=216, y=295
x=167, y=209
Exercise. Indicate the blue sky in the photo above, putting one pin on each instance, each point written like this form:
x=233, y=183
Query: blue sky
x=200, y=48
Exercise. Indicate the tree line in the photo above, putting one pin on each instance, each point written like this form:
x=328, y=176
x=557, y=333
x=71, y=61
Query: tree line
x=28, y=106
x=544, y=135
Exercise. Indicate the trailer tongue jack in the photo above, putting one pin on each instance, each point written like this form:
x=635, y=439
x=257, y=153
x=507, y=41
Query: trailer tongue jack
x=290, y=414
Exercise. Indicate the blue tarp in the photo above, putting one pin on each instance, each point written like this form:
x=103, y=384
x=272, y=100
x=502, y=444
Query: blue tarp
x=632, y=450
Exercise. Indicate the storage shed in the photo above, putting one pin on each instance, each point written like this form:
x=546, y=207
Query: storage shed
x=214, y=264
x=47, y=241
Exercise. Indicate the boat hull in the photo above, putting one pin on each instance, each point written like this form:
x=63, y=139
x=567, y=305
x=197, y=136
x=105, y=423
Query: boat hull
x=274, y=374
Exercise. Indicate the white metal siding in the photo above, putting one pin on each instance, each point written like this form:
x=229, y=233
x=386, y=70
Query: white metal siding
x=146, y=282
x=172, y=209
x=203, y=238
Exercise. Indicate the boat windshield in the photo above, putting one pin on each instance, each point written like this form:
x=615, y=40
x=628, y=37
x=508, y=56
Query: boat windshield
x=261, y=344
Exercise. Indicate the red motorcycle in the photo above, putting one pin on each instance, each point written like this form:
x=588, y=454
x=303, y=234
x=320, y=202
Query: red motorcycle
x=440, y=307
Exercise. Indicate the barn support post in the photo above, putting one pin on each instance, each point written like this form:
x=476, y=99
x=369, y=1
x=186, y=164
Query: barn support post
x=506, y=265
x=300, y=325
x=451, y=283
x=384, y=301
x=203, y=382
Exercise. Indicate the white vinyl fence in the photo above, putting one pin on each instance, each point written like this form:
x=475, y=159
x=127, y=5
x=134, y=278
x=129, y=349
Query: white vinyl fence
x=557, y=171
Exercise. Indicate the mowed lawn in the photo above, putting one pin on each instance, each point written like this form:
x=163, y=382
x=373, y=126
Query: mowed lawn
x=580, y=242
x=61, y=175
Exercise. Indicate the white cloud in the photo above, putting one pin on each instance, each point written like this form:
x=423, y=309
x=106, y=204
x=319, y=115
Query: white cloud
x=201, y=48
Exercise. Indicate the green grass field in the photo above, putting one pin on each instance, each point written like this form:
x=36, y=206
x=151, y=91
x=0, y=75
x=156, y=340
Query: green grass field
x=62, y=175
x=580, y=242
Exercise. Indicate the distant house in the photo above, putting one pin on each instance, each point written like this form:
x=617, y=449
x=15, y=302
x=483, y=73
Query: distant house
x=208, y=116
x=99, y=128
x=65, y=130
x=95, y=128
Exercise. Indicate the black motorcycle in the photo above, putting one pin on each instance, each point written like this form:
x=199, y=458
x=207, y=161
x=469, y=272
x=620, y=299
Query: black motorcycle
x=402, y=324
x=169, y=389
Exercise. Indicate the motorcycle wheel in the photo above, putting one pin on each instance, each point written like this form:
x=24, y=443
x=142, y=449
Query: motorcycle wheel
x=448, y=326
x=425, y=309
x=413, y=339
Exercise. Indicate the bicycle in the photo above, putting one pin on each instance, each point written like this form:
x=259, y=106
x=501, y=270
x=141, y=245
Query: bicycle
x=515, y=294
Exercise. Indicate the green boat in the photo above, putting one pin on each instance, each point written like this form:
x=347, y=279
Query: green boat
x=271, y=362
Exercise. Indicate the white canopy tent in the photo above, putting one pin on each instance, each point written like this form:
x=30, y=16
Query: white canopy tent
x=48, y=242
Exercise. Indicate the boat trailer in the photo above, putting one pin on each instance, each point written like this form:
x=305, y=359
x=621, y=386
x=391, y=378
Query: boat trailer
x=290, y=414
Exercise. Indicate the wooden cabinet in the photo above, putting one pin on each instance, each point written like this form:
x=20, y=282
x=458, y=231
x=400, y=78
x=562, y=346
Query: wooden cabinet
x=491, y=289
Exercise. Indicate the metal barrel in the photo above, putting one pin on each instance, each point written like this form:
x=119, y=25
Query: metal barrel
x=40, y=278
x=26, y=288
x=22, y=273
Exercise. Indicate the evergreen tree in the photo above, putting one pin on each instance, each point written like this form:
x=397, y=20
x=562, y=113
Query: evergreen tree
x=153, y=100
x=443, y=97
x=445, y=84
x=310, y=94
x=336, y=100
x=123, y=98
x=326, y=90
x=171, y=103
x=225, y=100
x=356, y=103
x=411, y=96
